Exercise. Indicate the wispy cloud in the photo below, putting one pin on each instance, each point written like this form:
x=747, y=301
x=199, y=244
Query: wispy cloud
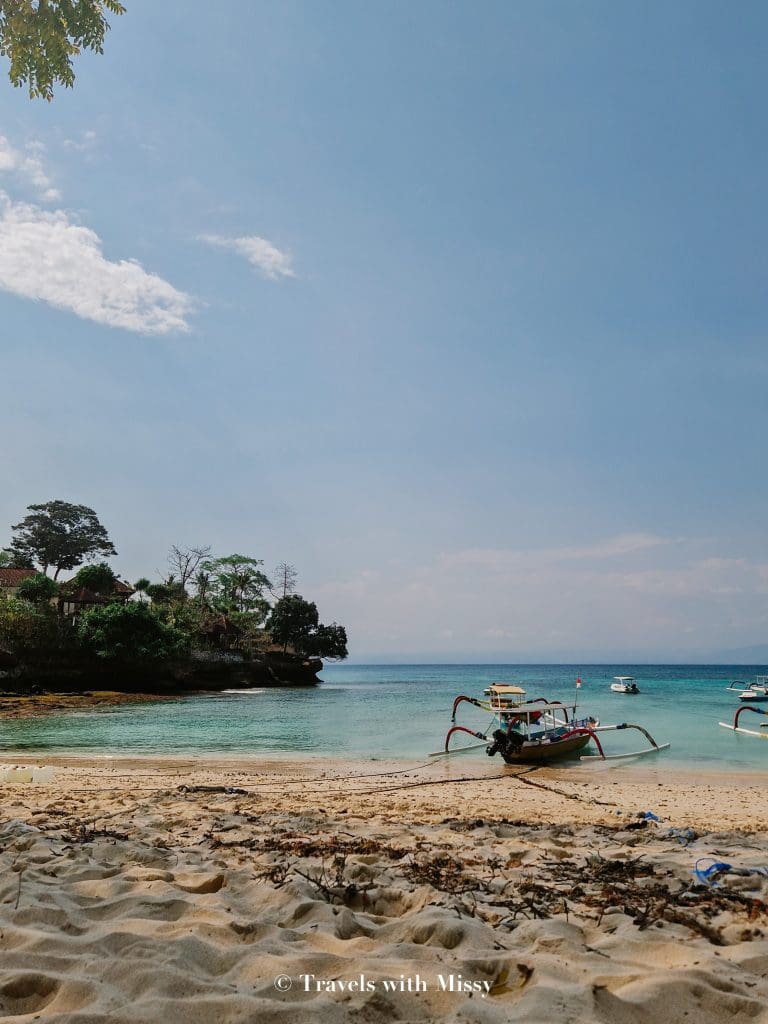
x=270, y=261
x=48, y=257
x=635, y=591
x=27, y=165
x=610, y=547
x=84, y=143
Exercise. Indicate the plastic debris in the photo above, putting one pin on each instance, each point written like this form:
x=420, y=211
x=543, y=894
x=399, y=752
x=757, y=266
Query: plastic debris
x=708, y=876
x=684, y=836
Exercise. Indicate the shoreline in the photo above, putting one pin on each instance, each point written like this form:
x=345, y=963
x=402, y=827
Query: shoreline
x=596, y=795
x=643, y=770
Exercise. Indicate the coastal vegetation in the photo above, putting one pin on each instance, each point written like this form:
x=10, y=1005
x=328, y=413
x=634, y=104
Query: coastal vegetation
x=209, y=621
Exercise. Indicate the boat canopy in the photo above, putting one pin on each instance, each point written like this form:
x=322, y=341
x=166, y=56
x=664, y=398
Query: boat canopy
x=506, y=688
x=624, y=679
x=540, y=708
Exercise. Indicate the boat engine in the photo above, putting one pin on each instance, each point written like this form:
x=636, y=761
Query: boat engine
x=506, y=742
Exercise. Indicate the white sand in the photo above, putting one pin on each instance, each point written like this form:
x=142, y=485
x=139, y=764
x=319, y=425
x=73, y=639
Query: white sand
x=126, y=898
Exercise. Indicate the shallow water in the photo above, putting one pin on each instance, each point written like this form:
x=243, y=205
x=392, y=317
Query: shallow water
x=403, y=711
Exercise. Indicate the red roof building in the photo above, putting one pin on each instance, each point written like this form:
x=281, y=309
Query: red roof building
x=11, y=578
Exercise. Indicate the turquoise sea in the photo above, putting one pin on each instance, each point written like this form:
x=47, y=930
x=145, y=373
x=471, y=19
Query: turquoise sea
x=391, y=711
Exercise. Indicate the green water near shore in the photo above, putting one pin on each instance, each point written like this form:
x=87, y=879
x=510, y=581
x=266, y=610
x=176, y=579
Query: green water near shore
x=403, y=711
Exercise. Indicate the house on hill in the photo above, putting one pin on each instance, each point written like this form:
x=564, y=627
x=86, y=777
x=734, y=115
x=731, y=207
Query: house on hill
x=73, y=600
x=11, y=578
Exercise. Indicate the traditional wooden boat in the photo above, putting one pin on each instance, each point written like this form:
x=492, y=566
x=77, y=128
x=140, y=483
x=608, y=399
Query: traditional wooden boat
x=535, y=731
x=762, y=735
x=750, y=693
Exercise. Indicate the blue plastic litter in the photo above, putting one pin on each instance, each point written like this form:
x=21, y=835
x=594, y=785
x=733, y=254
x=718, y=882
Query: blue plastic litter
x=684, y=836
x=705, y=876
x=649, y=816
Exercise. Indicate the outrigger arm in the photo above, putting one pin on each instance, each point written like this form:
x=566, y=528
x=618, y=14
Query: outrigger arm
x=470, y=700
x=654, y=747
x=740, y=728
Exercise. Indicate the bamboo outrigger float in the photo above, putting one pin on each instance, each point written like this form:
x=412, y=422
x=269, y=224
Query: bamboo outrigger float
x=735, y=727
x=536, y=731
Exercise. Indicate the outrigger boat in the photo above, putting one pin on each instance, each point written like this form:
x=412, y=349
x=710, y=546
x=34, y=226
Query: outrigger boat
x=748, y=732
x=750, y=692
x=536, y=731
x=624, y=684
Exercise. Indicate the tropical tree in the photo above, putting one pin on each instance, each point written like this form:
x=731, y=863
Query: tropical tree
x=285, y=578
x=184, y=564
x=328, y=642
x=98, y=578
x=37, y=589
x=295, y=622
x=238, y=584
x=40, y=37
x=58, y=535
x=202, y=583
x=165, y=593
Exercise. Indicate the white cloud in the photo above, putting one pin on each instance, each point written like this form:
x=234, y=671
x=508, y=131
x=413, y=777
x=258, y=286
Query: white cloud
x=28, y=166
x=85, y=143
x=46, y=256
x=270, y=261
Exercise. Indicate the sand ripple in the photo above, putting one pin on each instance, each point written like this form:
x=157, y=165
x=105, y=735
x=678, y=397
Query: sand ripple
x=183, y=906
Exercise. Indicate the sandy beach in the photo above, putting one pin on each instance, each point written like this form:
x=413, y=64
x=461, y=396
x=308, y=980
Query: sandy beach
x=278, y=890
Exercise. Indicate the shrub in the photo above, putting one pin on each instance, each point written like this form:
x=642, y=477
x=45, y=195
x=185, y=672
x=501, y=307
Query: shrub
x=28, y=631
x=37, y=589
x=97, y=578
x=129, y=632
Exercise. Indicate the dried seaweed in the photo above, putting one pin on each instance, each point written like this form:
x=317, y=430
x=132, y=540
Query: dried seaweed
x=588, y=887
x=444, y=873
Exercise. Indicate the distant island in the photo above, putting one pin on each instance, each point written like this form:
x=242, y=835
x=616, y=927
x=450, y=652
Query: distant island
x=210, y=623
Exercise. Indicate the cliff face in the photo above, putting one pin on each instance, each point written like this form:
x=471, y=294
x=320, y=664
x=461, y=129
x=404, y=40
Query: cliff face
x=188, y=674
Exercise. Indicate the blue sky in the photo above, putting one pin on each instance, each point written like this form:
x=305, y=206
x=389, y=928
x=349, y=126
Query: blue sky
x=459, y=308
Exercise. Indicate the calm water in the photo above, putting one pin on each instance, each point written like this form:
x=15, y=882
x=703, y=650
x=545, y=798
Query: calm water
x=403, y=711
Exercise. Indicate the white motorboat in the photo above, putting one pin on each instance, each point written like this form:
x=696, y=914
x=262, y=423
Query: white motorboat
x=750, y=692
x=624, y=684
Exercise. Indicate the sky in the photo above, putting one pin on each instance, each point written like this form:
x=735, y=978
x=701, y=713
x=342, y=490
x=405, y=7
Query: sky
x=460, y=308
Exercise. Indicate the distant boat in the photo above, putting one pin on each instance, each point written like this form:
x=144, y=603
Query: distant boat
x=750, y=692
x=624, y=684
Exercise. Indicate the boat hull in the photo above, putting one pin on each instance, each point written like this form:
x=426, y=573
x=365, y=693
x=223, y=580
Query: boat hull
x=542, y=752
